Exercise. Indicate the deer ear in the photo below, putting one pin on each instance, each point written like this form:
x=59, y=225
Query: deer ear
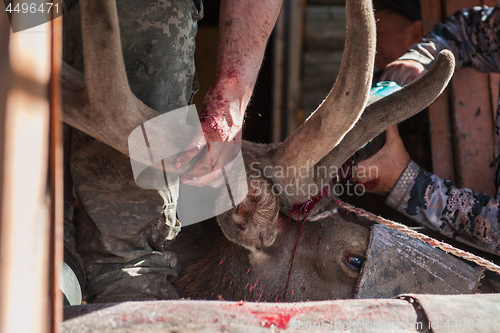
x=252, y=224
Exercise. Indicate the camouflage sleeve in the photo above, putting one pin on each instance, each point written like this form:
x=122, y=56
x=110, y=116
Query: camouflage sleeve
x=439, y=205
x=471, y=34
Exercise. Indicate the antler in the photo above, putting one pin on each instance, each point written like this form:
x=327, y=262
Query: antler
x=333, y=133
x=338, y=113
x=395, y=108
x=106, y=108
x=343, y=106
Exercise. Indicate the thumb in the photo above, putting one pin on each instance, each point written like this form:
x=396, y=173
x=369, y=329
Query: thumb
x=392, y=135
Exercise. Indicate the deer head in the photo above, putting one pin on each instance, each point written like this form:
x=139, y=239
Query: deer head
x=268, y=240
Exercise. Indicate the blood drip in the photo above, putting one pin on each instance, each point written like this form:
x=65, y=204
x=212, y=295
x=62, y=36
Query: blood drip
x=299, y=209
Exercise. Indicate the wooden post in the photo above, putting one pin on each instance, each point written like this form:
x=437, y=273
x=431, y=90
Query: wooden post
x=56, y=180
x=287, y=62
x=472, y=122
x=439, y=112
x=25, y=68
x=461, y=119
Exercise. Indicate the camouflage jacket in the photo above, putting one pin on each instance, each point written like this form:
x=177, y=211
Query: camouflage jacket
x=471, y=218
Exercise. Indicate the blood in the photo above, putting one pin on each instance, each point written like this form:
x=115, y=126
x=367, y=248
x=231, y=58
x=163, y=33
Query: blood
x=274, y=319
x=304, y=208
x=345, y=171
x=307, y=207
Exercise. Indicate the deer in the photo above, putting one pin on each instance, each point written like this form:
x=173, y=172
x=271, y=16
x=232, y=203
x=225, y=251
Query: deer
x=277, y=246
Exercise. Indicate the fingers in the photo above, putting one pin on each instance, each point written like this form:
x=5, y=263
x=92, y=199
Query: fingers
x=207, y=171
x=392, y=134
x=192, y=149
x=403, y=72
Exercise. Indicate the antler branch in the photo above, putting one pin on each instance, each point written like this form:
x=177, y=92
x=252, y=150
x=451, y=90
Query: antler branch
x=100, y=103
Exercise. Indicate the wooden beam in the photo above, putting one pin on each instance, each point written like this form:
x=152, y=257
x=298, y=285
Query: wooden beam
x=439, y=111
x=473, y=131
x=56, y=180
x=25, y=59
x=472, y=122
x=462, y=118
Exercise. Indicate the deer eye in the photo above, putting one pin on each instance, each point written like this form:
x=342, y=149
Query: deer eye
x=355, y=262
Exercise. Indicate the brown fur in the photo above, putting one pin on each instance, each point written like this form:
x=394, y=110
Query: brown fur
x=255, y=260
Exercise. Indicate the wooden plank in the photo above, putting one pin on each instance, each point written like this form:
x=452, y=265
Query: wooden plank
x=494, y=93
x=458, y=314
x=397, y=264
x=490, y=3
x=295, y=27
x=441, y=138
x=325, y=28
x=439, y=111
x=186, y=316
x=431, y=14
x=452, y=6
x=473, y=131
x=278, y=77
x=24, y=218
x=56, y=180
x=472, y=122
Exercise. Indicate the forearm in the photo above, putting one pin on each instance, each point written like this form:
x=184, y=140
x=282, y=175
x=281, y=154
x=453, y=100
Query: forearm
x=438, y=204
x=469, y=34
x=244, y=29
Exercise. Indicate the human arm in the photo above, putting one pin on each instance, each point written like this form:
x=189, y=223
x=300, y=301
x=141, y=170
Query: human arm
x=437, y=203
x=470, y=34
x=244, y=28
x=429, y=200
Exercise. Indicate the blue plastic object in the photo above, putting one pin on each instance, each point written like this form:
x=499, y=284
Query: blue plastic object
x=382, y=89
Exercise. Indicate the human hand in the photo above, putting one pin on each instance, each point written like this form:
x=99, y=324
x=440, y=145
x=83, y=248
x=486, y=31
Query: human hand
x=388, y=164
x=403, y=72
x=221, y=120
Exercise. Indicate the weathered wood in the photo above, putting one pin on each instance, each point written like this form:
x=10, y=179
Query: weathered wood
x=320, y=70
x=441, y=138
x=494, y=92
x=462, y=144
x=210, y=316
x=473, y=131
x=489, y=3
x=325, y=28
x=278, y=77
x=396, y=264
x=431, y=12
x=471, y=122
x=56, y=179
x=323, y=46
x=288, y=51
x=24, y=215
x=439, y=112
x=464, y=313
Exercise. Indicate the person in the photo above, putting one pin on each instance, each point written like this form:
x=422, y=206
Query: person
x=123, y=232
x=468, y=217
x=399, y=26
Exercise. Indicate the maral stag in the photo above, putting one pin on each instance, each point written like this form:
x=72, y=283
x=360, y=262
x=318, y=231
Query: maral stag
x=269, y=253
